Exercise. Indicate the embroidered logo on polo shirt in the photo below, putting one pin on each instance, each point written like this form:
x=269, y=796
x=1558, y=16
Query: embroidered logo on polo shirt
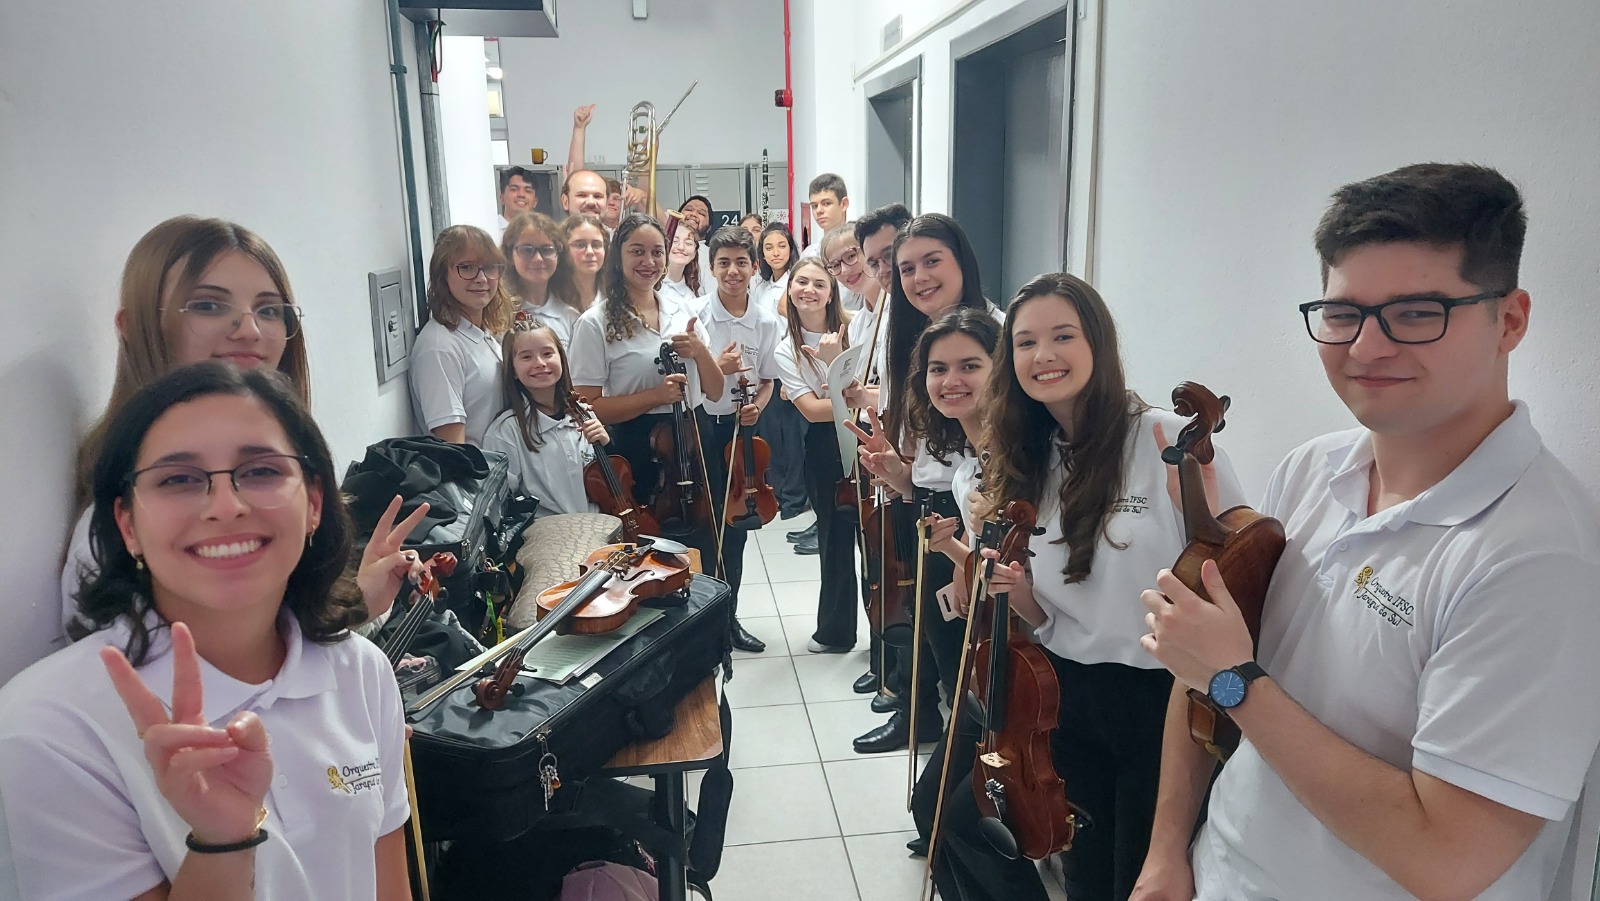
x=1133, y=503
x=353, y=780
x=1390, y=607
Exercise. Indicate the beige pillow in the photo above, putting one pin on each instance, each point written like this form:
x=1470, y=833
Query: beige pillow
x=553, y=547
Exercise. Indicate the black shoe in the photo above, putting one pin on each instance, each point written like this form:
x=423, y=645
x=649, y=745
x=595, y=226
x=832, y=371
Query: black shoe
x=918, y=847
x=805, y=534
x=892, y=736
x=866, y=683
x=744, y=641
x=883, y=703
x=809, y=547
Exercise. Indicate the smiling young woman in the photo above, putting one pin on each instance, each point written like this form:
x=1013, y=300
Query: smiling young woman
x=455, y=363
x=218, y=609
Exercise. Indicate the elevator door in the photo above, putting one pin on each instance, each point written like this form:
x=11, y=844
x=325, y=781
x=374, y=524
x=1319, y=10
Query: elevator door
x=890, y=133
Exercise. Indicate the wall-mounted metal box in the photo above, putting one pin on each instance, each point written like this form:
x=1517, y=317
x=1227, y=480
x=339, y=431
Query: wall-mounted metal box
x=393, y=325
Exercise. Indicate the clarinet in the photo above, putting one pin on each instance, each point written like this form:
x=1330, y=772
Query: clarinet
x=766, y=189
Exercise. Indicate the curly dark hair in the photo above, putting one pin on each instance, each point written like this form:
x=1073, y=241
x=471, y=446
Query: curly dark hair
x=1022, y=438
x=944, y=435
x=622, y=320
x=321, y=593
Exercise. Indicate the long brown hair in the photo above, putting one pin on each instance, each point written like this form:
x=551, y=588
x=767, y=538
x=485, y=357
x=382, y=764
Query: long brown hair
x=543, y=224
x=1022, y=438
x=621, y=319
x=453, y=243
x=943, y=434
x=562, y=283
x=835, y=312
x=162, y=267
x=515, y=397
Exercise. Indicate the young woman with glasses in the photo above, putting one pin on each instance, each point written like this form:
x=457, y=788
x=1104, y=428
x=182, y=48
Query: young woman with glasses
x=455, y=364
x=534, y=246
x=578, y=279
x=136, y=763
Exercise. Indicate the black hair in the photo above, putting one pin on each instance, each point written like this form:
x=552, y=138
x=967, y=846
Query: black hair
x=761, y=256
x=321, y=594
x=894, y=215
x=1444, y=204
x=703, y=199
x=943, y=434
x=906, y=322
x=511, y=172
x=622, y=321
x=827, y=181
x=731, y=236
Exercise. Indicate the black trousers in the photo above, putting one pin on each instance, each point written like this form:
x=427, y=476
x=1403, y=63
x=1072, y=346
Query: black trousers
x=1107, y=750
x=716, y=433
x=836, y=538
x=784, y=430
x=631, y=441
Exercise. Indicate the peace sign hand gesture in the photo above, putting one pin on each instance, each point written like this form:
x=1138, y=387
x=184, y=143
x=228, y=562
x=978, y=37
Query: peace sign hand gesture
x=214, y=779
x=385, y=564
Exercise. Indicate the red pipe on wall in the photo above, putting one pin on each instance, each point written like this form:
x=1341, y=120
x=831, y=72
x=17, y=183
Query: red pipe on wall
x=795, y=225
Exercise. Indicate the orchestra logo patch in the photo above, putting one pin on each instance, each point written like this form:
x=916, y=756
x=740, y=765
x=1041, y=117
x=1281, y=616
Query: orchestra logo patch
x=1390, y=607
x=353, y=780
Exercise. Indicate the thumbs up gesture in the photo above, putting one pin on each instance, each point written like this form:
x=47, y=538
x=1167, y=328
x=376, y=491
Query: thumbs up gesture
x=688, y=344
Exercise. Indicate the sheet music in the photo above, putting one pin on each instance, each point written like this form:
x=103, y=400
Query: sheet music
x=560, y=657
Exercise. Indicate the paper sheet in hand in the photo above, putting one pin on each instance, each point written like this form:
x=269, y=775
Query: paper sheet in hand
x=559, y=657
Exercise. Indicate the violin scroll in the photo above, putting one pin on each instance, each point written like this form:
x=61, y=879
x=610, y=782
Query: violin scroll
x=1196, y=400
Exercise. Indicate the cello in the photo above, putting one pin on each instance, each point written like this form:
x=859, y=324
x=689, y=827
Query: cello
x=1244, y=544
x=1014, y=695
x=608, y=481
x=748, y=458
x=682, y=504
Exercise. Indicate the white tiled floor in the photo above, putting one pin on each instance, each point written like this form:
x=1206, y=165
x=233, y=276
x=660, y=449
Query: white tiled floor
x=811, y=819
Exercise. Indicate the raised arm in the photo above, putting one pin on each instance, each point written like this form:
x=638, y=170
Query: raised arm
x=580, y=131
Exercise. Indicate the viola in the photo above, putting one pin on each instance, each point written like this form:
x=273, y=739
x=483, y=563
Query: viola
x=608, y=481
x=1244, y=544
x=682, y=505
x=424, y=593
x=889, y=536
x=751, y=502
x=615, y=580
x=1014, y=695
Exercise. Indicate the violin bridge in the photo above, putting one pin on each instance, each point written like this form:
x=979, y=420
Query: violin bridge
x=993, y=759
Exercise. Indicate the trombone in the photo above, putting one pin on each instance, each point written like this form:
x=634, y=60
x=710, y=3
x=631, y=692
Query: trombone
x=644, y=142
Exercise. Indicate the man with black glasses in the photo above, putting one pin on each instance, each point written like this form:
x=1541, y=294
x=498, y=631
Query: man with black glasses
x=1409, y=728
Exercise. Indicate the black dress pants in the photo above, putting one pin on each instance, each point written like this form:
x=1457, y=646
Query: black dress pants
x=784, y=430
x=631, y=441
x=717, y=433
x=1107, y=749
x=836, y=539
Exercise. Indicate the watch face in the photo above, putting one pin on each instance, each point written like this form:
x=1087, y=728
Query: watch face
x=1227, y=689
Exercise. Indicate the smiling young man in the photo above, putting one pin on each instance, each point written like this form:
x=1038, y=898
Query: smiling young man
x=584, y=192
x=1402, y=735
x=517, y=195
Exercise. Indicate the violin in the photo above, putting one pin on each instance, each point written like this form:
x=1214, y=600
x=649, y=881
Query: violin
x=615, y=580
x=889, y=536
x=682, y=505
x=424, y=592
x=608, y=481
x=747, y=478
x=1014, y=695
x=1244, y=544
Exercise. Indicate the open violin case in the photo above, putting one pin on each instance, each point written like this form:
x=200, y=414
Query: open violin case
x=478, y=772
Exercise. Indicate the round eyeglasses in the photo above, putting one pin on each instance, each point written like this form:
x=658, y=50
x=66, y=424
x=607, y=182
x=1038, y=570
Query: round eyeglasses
x=207, y=318
x=470, y=271
x=265, y=482
x=1406, y=320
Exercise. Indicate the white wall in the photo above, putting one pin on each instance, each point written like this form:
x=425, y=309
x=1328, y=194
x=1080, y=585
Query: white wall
x=1227, y=124
x=116, y=116
x=605, y=57
x=464, y=135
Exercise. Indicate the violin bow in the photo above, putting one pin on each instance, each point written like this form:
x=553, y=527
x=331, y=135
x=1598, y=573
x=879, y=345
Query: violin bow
x=916, y=660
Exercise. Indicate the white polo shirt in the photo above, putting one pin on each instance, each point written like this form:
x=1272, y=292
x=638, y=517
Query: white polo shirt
x=628, y=366
x=554, y=472
x=864, y=328
x=769, y=293
x=80, y=559
x=801, y=375
x=758, y=332
x=1454, y=633
x=455, y=377
x=680, y=291
x=554, y=313
x=80, y=814
x=934, y=474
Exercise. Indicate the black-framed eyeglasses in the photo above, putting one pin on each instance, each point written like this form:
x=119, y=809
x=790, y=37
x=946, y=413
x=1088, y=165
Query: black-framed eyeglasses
x=210, y=318
x=266, y=482
x=469, y=271
x=846, y=259
x=1409, y=320
x=529, y=251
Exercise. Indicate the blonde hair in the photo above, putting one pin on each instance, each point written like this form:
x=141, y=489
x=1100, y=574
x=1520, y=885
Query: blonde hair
x=452, y=244
x=165, y=264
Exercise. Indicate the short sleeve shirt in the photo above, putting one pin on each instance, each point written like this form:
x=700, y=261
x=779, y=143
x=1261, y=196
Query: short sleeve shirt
x=802, y=375
x=555, y=314
x=553, y=472
x=628, y=365
x=1453, y=633
x=455, y=377
x=80, y=813
x=758, y=333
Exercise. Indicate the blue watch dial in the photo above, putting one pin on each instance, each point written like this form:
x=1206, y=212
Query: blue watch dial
x=1227, y=689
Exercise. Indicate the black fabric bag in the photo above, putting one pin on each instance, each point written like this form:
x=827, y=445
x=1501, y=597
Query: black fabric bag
x=477, y=772
x=467, y=491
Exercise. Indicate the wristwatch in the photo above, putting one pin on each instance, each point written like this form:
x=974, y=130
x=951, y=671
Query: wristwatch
x=1228, y=687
